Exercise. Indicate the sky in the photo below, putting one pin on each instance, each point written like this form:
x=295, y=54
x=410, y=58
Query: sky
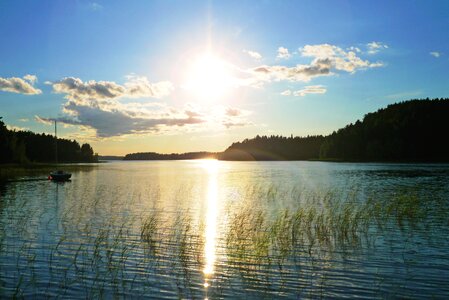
x=180, y=76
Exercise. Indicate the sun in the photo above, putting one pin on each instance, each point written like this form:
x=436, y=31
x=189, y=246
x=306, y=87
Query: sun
x=209, y=77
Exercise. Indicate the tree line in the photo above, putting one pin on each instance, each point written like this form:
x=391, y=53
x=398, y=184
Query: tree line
x=409, y=131
x=28, y=147
x=275, y=147
x=172, y=156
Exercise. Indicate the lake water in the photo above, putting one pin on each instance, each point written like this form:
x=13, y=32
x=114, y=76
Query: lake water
x=213, y=229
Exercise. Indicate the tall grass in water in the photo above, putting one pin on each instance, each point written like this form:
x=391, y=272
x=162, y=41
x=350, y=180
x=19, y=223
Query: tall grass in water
x=314, y=232
x=271, y=242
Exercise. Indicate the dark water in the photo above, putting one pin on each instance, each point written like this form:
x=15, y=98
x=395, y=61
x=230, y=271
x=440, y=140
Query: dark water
x=208, y=229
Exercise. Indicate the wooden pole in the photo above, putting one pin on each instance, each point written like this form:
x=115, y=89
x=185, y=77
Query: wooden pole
x=56, y=145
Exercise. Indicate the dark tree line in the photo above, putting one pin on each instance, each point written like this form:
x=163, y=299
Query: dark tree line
x=172, y=156
x=413, y=130
x=275, y=148
x=26, y=146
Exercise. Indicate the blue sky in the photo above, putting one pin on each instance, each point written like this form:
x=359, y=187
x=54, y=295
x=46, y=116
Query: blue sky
x=175, y=76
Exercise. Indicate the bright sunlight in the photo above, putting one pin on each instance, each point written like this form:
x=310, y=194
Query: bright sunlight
x=209, y=77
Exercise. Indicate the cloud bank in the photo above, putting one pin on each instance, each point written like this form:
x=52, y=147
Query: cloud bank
x=19, y=85
x=326, y=60
x=135, y=87
x=97, y=105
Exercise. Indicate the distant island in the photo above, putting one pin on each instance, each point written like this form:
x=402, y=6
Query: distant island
x=409, y=131
x=24, y=147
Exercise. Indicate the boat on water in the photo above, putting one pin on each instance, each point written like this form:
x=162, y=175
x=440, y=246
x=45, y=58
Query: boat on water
x=59, y=175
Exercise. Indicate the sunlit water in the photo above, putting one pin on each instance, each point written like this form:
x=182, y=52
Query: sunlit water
x=212, y=229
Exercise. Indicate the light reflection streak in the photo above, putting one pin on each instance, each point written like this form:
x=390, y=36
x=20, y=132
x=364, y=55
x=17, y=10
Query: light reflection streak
x=211, y=220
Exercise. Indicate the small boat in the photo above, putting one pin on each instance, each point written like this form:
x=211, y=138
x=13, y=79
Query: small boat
x=58, y=175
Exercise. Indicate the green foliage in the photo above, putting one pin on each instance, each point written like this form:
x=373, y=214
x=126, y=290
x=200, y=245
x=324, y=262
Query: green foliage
x=26, y=146
x=275, y=148
x=406, y=131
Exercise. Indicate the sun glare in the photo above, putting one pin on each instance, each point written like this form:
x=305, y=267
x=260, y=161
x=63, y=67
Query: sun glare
x=209, y=77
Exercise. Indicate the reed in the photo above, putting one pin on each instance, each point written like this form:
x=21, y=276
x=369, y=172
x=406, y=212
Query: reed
x=266, y=237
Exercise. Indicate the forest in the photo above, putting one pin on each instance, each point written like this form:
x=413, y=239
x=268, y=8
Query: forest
x=172, y=156
x=22, y=147
x=275, y=148
x=409, y=131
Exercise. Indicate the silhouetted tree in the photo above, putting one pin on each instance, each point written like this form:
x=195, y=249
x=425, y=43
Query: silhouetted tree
x=26, y=146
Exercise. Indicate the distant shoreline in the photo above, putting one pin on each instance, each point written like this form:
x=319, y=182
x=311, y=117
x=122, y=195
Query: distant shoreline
x=405, y=132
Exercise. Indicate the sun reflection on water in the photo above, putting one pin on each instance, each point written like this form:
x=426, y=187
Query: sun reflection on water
x=211, y=220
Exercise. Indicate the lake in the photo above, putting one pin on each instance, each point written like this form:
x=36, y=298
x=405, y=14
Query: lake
x=214, y=229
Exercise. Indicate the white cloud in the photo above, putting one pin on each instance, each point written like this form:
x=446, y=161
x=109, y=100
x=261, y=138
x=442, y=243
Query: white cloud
x=375, y=47
x=32, y=79
x=354, y=49
x=286, y=93
x=95, y=6
x=283, y=53
x=319, y=67
x=253, y=54
x=435, y=54
x=327, y=60
x=139, y=86
x=19, y=85
x=310, y=89
x=340, y=59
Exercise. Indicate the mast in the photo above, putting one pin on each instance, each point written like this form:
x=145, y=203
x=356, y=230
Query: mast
x=56, y=145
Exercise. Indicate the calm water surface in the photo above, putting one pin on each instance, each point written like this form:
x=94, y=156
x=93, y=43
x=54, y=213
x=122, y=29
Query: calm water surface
x=212, y=229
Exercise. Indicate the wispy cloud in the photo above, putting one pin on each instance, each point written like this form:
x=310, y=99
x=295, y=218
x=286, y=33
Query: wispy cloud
x=283, y=53
x=253, y=54
x=375, y=47
x=233, y=117
x=310, y=89
x=95, y=6
x=404, y=95
x=435, y=54
x=19, y=85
